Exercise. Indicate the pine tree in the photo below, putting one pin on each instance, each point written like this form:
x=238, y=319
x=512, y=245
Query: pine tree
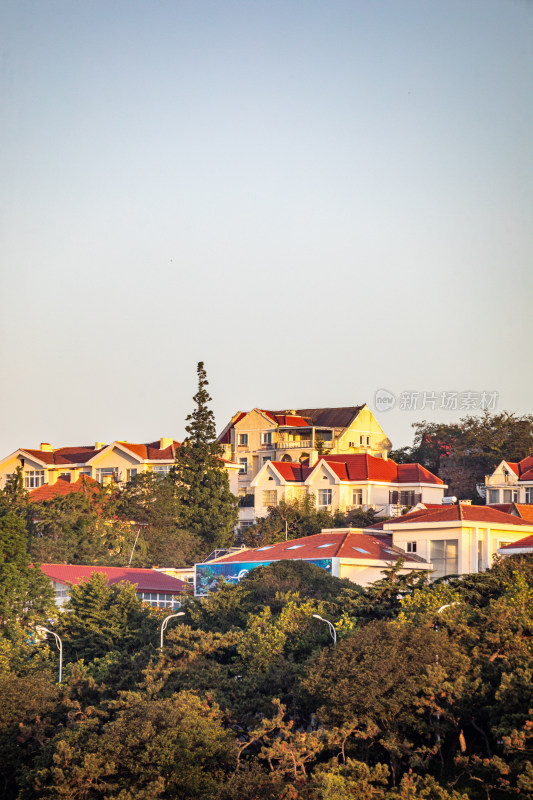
x=206, y=507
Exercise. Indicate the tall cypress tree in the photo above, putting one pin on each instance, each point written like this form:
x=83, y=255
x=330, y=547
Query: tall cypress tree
x=206, y=506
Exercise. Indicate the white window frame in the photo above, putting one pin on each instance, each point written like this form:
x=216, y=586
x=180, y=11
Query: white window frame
x=357, y=497
x=410, y=547
x=33, y=478
x=266, y=437
x=268, y=496
x=106, y=472
x=244, y=466
x=529, y=494
x=242, y=439
x=328, y=493
x=161, y=470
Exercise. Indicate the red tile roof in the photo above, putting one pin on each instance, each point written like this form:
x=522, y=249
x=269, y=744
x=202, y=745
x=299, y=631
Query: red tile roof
x=523, y=469
x=525, y=511
x=64, y=456
x=291, y=421
x=62, y=487
x=303, y=417
x=292, y=471
x=521, y=543
x=364, y=467
x=327, y=544
x=457, y=513
x=147, y=580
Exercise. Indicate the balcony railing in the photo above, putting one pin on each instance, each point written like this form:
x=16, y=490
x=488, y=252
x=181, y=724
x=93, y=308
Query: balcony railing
x=294, y=445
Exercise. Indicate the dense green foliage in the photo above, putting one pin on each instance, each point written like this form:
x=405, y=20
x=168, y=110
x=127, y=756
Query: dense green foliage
x=463, y=453
x=249, y=698
x=296, y=518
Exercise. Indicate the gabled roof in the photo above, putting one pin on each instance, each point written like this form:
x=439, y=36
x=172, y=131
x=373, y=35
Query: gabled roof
x=352, y=544
x=66, y=456
x=364, y=467
x=327, y=417
x=302, y=417
x=522, y=469
x=291, y=470
x=454, y=513
x=62, y=487
x=147, y=580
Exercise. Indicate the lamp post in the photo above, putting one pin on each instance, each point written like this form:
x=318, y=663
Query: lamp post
x=165, y=623
x=331, y=628
x=59, y=644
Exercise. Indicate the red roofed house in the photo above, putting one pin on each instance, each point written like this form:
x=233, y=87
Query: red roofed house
x=343, y=552
x=457, y=539
x=346, y=482
x=511, y=482
x=153, y=587
x=116, y=462
x=252, y=438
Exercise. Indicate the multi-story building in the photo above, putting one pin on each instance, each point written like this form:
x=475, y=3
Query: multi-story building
x=297, y=436
x=511, y=482
x=116, y=462
x=344, y=483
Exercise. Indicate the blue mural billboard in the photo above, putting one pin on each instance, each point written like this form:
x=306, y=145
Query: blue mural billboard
x=208, y=575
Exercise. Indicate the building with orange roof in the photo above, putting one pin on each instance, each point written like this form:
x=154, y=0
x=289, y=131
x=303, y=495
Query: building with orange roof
x=346, y=482
x=350, y=553
x=152, y=586
x=511, y=482
x=294, y=436
x=457, y=539
x=117, y=462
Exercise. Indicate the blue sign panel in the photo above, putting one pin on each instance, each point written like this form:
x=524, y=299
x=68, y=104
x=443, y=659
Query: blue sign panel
x=208, y=575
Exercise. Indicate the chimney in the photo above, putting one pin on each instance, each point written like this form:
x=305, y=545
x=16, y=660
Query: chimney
x=99, y=445
x=46, y=447
x=164, y=443
x=313, y=458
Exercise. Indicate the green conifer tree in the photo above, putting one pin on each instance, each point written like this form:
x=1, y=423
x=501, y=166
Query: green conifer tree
x=206, y=506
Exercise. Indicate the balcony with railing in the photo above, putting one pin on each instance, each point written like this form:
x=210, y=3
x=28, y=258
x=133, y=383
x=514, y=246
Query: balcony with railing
x=293, y=444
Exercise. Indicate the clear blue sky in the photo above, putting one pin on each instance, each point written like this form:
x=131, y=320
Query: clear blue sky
x=317, y=199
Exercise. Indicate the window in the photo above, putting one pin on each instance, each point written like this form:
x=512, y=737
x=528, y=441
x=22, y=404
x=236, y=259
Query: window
x=329, y=544
x=160, y=470
x=444, y=555
x=480, y=556
x=324, y=497
x=266, y=547
x=368, y=440
x=266, y=458
x=407, y=498
x=361, y=441
x=131, y=473
x=244, y=466
x=270, y=497
x=10, y=479
x=85, y=472
x=246, y=498
x=33, y=478
x=510, y=496
x=494, y=496
x=160, y=599
x=357, y=497
x=266, y=438
x=298, y=494
x=361, y=550
x=411, y=547
x=103, y=473
x=294, y=547
x=243, y=439
x=529, y=494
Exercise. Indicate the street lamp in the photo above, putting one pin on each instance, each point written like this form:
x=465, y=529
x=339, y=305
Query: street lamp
x=165, y=623
x=331, y=628
x=59, y=644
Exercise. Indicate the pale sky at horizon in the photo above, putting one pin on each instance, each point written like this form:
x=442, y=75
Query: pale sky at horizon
x=318, y=200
